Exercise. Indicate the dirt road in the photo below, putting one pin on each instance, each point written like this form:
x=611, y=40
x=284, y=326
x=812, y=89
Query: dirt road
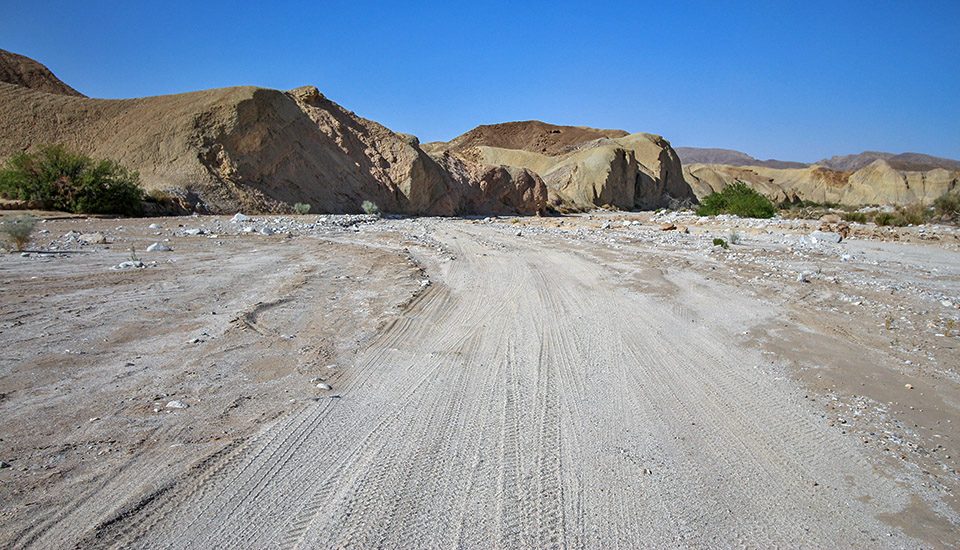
x=540, y=392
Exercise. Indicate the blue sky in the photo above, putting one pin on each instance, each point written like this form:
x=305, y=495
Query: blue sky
x=789, y=80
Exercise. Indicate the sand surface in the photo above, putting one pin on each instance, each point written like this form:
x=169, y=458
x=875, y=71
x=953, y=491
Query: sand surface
x=557, y=382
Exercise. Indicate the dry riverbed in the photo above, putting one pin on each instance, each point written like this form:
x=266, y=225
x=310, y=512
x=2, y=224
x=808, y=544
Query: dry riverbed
x=586, y=381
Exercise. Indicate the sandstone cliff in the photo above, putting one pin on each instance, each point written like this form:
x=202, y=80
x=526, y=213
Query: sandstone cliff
x=582, y=167
x=877, y=183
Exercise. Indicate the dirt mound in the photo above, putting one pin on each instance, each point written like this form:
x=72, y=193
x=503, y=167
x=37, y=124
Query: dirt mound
x=251, y=149
x=582, y=167
x=530, y=135
x=23, y=71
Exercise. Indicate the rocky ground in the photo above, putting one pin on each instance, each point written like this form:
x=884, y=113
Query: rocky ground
x=611, y=379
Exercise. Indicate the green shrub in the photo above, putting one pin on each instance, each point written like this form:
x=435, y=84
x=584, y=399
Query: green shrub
x=858, y=217
x=370, y=208
x=947, y=205
x=720, y=242
x=738, y=199
x=914, y=214
x=301, y=208
x=886, y=218
x=57, y=179
x=18, y=229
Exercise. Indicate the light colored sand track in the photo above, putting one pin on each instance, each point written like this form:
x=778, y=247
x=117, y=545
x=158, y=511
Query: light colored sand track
x=570, y=386
x=528, y=401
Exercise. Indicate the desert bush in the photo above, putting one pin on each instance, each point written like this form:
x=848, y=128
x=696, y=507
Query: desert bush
x=301, y=208
x=858, y=217
x=947, y=205
x=370, y=208
x=17, y=230
x=61, y=180
x=886, y=218
x=720, y=242
x=914, y=214
x=738, y=199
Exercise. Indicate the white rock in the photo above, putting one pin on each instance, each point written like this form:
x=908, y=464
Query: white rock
x=825, y=236
x=239, y=218
x=946, y=303
x=177, y=405
x=155, y=226
x=266, y=231
x=129, y=264
x=93, y=238
x=158, y=247
x=323, y=386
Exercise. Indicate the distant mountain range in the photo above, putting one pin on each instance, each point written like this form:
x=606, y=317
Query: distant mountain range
x=916, y=162
x=698, y=155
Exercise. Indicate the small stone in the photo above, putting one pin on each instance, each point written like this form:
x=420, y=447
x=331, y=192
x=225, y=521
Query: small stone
x=4, y=465
x=266, y=231
x=946, y=303
x=324, y=386
x=155, y=226
x=177, y=405
x=239, y=218
x=825, y=236
x=519, y=233
x=158, y=247
x=683, y=229
x=130, y=264
x=94, y=419
x=93, y=238
x=24, y=254
x=908, y=386
x=668, y=226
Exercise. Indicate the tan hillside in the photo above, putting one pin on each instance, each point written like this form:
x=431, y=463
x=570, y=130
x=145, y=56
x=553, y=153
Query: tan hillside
x=582, y=167
x=255, y=149
x=530, y=135
x=23, y=71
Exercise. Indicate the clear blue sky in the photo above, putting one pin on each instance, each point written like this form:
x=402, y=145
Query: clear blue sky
x=791, y=80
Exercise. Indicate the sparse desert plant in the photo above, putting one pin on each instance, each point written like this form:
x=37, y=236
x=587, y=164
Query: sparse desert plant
x=858, y=217
x=370, y=208
x=17, y=230
x=720, y=242
x=914, y=214
x=61, y=180
x=738, y=199
x=947, y=205
x=301, y=208
x=884, y=218
x=733, y=237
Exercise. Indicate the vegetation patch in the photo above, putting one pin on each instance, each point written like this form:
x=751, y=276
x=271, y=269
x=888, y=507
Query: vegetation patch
x=737, y=199
x=56, y=179
x=17, y=230
x=370, y=208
